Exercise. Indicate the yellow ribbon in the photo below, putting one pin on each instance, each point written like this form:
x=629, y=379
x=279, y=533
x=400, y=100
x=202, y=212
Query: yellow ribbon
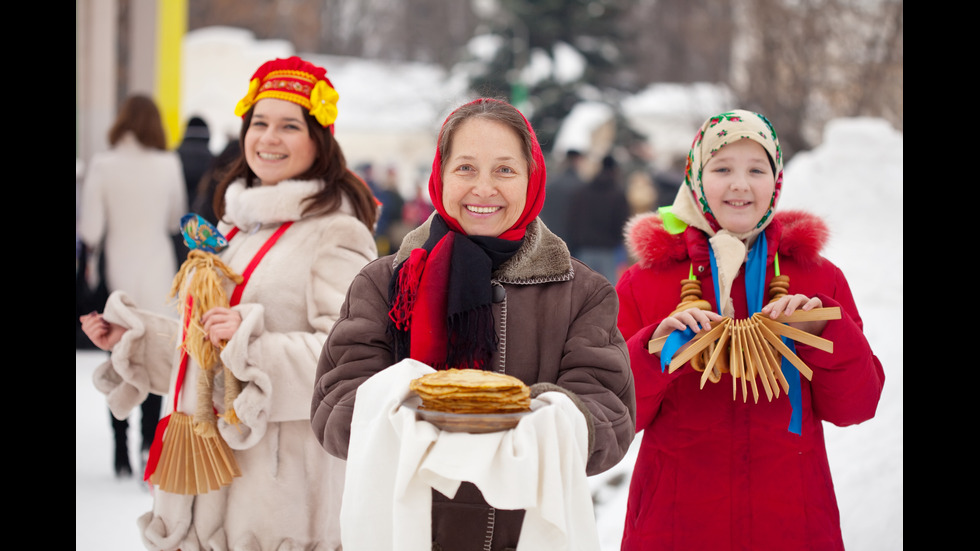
x=245, y=103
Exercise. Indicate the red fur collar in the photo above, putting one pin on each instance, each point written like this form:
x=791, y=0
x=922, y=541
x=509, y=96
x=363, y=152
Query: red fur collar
x=797, y=234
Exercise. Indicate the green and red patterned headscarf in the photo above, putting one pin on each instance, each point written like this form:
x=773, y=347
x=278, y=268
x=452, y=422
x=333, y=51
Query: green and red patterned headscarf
x=691, y=207
x=690, y=204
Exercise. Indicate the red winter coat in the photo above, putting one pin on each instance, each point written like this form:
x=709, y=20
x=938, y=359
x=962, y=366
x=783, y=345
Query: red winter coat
x=717, y=473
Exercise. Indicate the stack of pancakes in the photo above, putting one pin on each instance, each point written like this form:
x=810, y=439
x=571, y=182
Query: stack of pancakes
x=472, y=391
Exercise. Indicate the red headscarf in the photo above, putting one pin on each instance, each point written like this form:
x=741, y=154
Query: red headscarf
x=535, y=183
x=440, y=296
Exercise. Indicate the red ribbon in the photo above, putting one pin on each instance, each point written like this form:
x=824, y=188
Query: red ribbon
x=156, y=448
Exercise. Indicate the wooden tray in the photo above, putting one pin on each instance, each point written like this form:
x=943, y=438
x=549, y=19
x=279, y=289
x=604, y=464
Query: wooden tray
x=474, y=423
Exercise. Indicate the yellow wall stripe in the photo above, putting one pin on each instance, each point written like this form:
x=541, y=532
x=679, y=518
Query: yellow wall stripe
x=171, y=27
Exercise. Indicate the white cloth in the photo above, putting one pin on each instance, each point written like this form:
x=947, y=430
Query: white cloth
x=394, y=460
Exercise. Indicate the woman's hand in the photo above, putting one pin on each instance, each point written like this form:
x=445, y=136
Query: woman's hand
x=103, y=334
x=788, y=304
x=220, y=324
x=694, y=318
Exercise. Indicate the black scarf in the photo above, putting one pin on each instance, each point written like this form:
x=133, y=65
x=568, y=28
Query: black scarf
x=470, y=337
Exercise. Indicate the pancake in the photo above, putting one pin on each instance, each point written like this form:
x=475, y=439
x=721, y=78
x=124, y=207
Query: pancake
x=472, y=391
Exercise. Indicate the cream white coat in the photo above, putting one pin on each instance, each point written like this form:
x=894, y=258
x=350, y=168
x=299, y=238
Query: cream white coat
x=288, y=497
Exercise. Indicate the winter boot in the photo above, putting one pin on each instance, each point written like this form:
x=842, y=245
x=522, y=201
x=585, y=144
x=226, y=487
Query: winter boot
x=121, y=462
x=149, y=420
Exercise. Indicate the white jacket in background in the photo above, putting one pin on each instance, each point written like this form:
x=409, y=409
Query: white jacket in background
x=134, y=197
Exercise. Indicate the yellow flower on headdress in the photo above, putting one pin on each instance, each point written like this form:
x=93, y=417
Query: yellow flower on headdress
x=246, y=103
x=323, y=103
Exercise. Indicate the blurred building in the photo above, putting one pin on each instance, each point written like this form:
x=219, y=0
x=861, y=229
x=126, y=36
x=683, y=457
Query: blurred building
x=124, y=47
x=389, y=111
x=127, y=46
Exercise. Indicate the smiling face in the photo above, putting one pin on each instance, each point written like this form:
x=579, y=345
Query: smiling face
x=738, y=185
x=485, y=177
x=278, y=145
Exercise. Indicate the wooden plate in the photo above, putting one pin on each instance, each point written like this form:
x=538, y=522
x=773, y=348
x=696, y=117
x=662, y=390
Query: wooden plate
x=474, y=423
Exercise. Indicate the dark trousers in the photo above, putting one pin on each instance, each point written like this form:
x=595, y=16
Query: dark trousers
x=149, y=417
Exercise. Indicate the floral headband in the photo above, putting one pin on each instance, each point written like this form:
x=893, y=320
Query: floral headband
x=295, y=80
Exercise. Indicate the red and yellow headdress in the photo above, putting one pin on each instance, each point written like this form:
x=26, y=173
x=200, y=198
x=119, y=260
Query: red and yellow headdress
x=293, y=79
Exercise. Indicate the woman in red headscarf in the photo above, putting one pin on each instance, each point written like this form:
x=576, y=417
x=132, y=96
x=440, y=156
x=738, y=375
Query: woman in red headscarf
x=483, y=284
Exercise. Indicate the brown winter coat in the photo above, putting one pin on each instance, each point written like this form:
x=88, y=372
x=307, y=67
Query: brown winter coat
x=556, y=323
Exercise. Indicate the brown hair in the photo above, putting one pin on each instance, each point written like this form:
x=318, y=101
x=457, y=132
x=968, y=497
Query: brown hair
x=490, y=109
x=139, y=115
x=330, y=165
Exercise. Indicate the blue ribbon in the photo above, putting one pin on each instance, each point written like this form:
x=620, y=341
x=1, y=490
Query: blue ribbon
x=755, y=287
x=675, y=340
x=795, y=394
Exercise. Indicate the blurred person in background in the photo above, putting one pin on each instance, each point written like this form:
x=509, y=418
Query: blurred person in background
x=366, y=171
x=196, y=160
x=417, y=209
x=596, y=217
x=90, y=288
x=203, y=202
x=390, y=230
x=667, y=180
x=560, y=190
x=298, y=226
x=133, y=196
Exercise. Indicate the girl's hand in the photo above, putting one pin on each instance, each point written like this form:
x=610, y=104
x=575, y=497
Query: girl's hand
x=694, y=318
x=220, y=324
x=103, y=334
x=788, y=304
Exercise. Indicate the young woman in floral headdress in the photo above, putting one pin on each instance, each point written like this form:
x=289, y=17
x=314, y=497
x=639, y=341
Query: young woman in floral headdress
x=298, y=226
x=718, y=469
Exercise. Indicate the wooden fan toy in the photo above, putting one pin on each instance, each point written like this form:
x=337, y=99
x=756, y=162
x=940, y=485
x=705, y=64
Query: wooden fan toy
x=748, y=348
x=194, y=458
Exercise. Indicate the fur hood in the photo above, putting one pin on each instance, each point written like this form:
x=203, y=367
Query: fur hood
x=793, y=233
x=543, y=256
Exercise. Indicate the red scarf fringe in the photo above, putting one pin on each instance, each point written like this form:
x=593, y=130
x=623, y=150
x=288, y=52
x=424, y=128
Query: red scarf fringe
x=409, y=277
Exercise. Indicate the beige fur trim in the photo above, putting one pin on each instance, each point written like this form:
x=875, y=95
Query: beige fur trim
x=283, y=202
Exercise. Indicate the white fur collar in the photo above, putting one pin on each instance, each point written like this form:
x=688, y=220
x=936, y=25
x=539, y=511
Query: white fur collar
x=283, y=202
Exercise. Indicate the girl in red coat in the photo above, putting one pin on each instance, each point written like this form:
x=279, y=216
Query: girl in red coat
x=718, y=469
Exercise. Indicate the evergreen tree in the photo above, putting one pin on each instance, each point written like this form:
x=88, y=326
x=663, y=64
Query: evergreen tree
x=593, y=28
